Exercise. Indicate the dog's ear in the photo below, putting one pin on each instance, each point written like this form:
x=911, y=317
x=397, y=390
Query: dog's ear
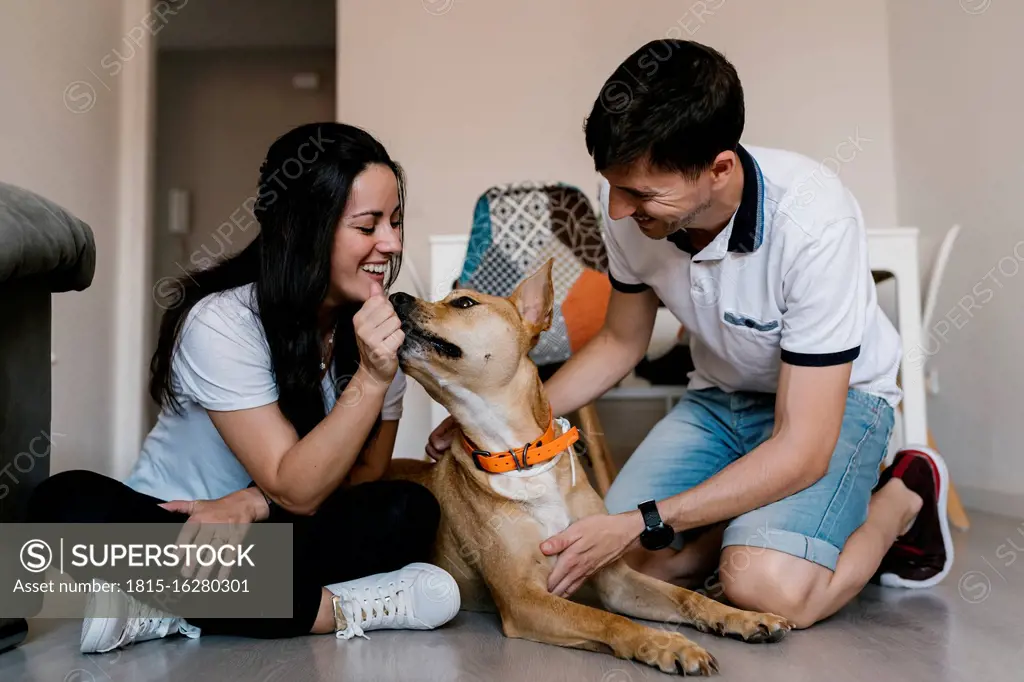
x=534, y=298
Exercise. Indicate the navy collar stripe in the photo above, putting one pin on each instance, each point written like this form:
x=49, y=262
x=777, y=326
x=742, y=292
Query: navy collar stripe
x=748, y=225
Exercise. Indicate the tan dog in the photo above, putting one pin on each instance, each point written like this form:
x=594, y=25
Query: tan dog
x=469, y=351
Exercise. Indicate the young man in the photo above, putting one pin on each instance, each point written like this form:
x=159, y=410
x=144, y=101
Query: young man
x=767, y=466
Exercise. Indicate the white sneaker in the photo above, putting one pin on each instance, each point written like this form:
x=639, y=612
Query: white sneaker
x=417, y=597
x=126, y=620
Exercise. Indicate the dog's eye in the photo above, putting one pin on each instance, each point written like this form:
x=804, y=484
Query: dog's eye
x=462, y=302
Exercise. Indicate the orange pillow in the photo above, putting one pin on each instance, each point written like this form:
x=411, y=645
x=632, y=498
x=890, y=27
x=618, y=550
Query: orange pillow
x=585, y=306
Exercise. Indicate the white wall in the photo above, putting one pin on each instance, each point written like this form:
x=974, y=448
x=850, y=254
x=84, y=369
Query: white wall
x=45, y=47
x=469, y=93
x=957, y=102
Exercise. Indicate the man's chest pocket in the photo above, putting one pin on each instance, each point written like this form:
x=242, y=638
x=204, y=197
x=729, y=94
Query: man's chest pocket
x=751, y=338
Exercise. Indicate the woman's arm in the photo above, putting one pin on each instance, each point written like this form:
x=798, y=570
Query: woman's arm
x=222, y=363
x=299, y=474
x=376, y=457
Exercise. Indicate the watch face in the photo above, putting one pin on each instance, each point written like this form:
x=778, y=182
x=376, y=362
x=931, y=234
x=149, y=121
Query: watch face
x=657, y=538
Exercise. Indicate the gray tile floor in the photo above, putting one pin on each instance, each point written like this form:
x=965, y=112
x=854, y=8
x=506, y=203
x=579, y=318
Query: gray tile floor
x=969, y=628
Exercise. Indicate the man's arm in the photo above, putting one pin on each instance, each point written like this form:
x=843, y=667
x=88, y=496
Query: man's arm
x=808, y=418
x=609, y=356
x=828, y=286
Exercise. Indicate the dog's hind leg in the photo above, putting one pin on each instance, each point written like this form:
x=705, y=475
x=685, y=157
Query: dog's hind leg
x=530, y=612
x=632, y=593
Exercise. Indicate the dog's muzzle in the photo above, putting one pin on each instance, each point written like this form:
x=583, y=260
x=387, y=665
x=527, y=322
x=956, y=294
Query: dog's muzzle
x=403, y=304
x=405, y=308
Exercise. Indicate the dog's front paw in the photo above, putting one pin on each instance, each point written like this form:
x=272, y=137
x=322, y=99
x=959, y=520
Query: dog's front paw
x=670, y=652
x=753, y=627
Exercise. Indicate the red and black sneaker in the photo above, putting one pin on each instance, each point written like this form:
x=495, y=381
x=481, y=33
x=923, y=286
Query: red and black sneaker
x=923, y=555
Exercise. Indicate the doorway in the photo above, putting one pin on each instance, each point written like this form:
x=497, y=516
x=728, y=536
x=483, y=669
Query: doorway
x=231, y=76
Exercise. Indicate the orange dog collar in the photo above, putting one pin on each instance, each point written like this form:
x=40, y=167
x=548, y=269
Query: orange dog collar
x=545, y=448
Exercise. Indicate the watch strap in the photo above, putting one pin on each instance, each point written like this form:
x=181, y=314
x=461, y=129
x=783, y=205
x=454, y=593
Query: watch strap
x=649, y=510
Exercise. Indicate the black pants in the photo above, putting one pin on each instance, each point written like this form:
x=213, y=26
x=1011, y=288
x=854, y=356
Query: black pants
x=358, y=531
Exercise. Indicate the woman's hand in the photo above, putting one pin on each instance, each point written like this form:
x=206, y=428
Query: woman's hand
x=379, y=335
x=223, y=521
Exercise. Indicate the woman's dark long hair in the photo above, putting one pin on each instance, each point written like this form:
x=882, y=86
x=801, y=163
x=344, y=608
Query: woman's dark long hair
x=305, y=182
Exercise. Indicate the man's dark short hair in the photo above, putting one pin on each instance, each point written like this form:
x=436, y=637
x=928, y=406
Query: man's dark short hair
x=675, y=103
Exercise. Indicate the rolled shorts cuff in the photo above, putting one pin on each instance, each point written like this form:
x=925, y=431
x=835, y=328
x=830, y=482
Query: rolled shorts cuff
x=815, y=550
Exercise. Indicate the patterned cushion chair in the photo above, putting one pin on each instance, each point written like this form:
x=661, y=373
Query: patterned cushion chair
x=516, y=229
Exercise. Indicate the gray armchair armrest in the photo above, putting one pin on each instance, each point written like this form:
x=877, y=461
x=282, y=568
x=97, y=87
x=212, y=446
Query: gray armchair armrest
x=41, y=241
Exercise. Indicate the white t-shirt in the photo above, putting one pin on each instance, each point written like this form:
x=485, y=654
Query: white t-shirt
x=787, y=280
x=222, y=362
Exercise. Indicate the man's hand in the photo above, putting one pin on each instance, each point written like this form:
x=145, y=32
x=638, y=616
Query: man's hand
x=441, y=438
x=587, y=546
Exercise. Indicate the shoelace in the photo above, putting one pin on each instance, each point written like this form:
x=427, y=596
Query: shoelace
x=146, y=620
x=376, y=606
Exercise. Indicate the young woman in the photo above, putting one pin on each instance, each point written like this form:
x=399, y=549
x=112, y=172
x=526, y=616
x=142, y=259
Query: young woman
x=278, y=379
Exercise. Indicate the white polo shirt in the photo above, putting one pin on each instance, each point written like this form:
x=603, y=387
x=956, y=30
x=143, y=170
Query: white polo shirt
x=787, y=280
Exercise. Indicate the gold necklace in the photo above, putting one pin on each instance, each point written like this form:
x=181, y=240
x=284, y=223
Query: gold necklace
x=330, y=351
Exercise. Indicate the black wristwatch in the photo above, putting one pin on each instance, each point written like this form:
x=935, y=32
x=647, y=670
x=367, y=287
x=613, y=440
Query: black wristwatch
x=657, y=534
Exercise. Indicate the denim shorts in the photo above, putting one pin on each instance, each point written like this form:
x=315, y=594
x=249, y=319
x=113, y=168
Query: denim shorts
x=709, y=429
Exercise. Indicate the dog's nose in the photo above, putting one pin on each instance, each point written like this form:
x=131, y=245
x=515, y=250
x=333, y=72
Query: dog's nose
x=401, y=301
